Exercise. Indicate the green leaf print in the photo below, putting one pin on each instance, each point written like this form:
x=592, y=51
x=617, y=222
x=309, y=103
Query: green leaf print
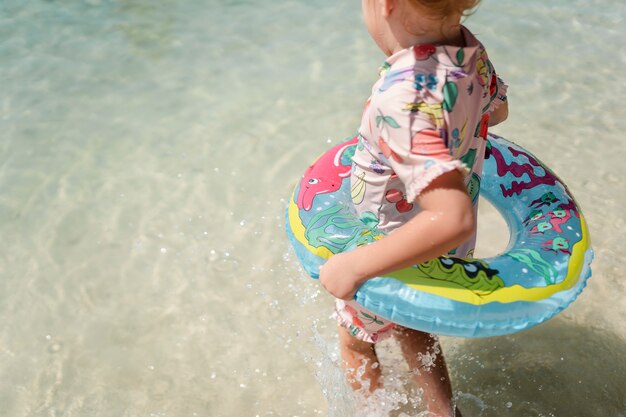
x=387, y=120
x=469, y=158
x=460, y=55
x=372, y=319
x=450, y=93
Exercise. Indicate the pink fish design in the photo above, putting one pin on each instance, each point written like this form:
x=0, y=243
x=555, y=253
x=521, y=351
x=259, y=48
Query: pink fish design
x=324, y=176
x=559, y=217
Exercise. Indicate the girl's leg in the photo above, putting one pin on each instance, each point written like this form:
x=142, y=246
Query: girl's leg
x=425, y=359
x=360, y=361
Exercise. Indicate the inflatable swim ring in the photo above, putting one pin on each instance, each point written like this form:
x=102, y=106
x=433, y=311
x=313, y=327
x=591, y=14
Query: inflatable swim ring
x=543, y=269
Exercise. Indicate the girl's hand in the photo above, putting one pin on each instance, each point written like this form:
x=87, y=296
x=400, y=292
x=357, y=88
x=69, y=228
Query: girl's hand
x=500, y=114
x=338, y=276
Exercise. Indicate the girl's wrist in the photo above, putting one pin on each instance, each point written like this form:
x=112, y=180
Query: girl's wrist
x=360, y=264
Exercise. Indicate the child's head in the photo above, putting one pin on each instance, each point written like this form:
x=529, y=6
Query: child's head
x=405, y=22
x=443, y=8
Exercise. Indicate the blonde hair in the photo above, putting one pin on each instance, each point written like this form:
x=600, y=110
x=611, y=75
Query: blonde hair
x=441, y=8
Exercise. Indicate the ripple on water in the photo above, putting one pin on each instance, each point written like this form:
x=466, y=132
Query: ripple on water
x=560, y=368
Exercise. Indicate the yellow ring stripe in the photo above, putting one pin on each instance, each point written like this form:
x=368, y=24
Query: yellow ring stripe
x=447, y=290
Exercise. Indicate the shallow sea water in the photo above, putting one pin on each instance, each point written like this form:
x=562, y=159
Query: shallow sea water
x=147, y=150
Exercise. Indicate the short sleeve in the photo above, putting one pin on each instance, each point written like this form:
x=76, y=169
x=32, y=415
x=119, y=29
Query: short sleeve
x=410, y=139
x=497, y=92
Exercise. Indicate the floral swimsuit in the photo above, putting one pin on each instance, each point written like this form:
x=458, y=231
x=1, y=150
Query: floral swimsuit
x=428, y=114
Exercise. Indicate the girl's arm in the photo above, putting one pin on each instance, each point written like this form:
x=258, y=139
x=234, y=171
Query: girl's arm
x=446, y=221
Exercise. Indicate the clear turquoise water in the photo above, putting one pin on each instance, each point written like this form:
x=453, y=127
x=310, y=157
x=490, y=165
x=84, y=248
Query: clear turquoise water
x=146, y=152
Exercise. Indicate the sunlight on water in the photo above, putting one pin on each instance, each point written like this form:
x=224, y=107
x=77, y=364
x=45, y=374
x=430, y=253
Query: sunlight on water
x=148, y=151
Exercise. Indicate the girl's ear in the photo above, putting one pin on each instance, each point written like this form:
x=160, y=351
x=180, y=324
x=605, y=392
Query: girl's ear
x=386, y=6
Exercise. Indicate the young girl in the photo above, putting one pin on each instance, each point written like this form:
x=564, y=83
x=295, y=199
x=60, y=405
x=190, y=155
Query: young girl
x=422, y=144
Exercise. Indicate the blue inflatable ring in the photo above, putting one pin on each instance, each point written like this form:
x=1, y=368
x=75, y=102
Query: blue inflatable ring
x=543, y=269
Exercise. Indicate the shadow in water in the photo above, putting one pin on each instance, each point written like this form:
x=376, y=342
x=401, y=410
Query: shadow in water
x=558, y=369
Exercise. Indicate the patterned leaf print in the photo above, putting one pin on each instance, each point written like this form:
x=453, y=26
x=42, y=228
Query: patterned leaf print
x=450, y=93
x=469, y=158
x=372, y=319
x=460, y=55
x=388, y=120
